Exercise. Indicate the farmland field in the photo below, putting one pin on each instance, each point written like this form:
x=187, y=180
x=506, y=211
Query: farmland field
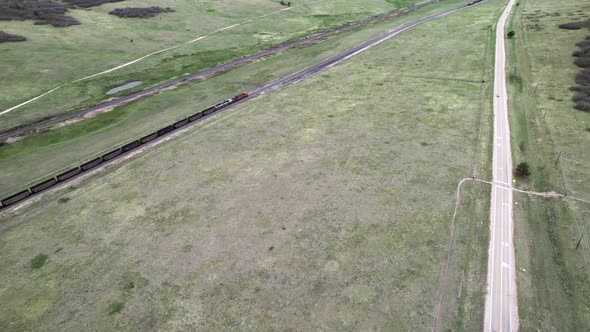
x=553, y=138
x=53, y=56
x=326, y=205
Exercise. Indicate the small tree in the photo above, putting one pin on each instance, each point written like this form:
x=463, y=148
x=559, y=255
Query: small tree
x=38, y=261
x=511, y=34
x=522, y=170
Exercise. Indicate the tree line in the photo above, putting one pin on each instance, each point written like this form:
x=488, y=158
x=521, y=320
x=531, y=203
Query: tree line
x=582, y=60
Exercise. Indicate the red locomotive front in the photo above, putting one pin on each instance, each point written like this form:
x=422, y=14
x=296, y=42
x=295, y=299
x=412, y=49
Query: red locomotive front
x=240, y=96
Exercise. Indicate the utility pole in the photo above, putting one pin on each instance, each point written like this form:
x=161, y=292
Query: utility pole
x=558, y=156
x=579, y=241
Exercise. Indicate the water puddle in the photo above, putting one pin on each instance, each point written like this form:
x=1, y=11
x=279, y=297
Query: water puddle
x=124, y=87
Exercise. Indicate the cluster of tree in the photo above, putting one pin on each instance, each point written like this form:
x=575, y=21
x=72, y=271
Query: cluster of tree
x=140, y=12
x=575, y=25
x=7, y=37
x=41, y=11
x=288, y=4
x=582, y=89
x=45, y=11
x=89, y=3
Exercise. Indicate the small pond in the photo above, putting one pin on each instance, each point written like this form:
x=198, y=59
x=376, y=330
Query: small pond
x=124, y=87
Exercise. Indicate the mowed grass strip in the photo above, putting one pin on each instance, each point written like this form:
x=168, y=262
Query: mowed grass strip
x=54, y=56
x=552, y=137
x=30, y=160
x=322, y=206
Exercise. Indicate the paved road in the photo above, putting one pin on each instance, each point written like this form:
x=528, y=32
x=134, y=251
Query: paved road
x=501, y=313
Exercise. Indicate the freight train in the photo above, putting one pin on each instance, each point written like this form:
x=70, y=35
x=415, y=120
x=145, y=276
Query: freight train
x=87, y=166
x=474, y=2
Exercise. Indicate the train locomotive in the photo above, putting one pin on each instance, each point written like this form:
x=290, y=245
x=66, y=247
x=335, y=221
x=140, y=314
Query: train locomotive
x=231, y=100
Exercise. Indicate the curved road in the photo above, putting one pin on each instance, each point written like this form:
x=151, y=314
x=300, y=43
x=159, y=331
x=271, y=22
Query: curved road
x=501, y=310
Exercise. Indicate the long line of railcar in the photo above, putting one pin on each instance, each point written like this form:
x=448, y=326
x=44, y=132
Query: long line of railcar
x=89, y=165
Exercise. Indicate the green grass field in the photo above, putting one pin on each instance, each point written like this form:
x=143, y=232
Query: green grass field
x=326, y=205
x=30, y=160
x=53, y=56
x=552, y=275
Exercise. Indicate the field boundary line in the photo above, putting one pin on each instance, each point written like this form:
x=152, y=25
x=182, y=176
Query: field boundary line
x=450, y=245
